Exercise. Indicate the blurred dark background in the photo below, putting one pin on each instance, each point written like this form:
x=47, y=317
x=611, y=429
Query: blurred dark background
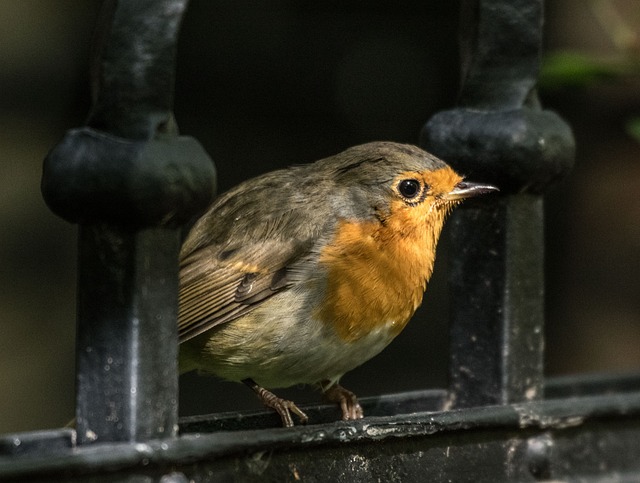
x=263, y=85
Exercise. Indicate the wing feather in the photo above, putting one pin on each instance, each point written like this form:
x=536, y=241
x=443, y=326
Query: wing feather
x=246, y=249
x=215, y=290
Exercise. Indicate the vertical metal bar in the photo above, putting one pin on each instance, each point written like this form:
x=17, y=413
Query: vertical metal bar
x=499, y=134
x=126, y=336
x=497, y=294
x=130, y=182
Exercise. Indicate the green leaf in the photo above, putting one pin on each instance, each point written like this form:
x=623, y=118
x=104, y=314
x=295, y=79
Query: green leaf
x=571, y=69
x=632, y=127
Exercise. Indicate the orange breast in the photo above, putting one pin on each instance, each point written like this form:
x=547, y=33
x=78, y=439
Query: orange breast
x=377, y=272
x=376, y=277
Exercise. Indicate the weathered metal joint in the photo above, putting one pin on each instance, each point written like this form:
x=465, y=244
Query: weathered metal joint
x=518, y=150
x=93, y=176
x=539, y=455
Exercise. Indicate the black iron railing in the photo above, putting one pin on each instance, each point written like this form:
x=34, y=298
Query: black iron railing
x=130, y=182
x=499, y=133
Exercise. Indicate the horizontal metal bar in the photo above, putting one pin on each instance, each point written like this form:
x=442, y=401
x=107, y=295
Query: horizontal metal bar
x=385, y=405
x=37, y=442
x=570, y=422
x=591, y=384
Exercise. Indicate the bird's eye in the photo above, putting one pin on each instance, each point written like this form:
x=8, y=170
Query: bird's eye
x=409, y=188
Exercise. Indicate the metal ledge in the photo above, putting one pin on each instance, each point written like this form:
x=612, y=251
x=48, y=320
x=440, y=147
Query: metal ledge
x=386, y=405
x=537, y=438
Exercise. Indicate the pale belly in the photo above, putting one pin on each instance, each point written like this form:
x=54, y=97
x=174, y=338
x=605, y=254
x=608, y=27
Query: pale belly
x=286, y=351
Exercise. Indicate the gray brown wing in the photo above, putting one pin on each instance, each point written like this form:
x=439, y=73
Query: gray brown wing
x=255, y=241
x=216, y=287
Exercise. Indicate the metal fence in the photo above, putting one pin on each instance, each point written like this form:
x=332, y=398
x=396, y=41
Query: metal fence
x=130, y=182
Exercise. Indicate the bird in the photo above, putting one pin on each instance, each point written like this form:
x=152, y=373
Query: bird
x=302, y=274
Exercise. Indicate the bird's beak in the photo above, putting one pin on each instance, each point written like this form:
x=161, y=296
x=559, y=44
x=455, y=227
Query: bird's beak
x=466, y=189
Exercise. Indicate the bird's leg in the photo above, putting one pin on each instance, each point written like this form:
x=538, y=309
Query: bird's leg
x=347, y=400
x=283, y=407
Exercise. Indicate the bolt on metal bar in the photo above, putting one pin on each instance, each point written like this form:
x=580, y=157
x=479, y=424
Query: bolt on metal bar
x=130, y=181
x=499, y=134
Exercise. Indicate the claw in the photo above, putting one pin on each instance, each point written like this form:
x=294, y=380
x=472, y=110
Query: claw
x=283, y=407
x=347, y=400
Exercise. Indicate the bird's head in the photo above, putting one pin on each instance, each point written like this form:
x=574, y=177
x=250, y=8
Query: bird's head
x=400, y=185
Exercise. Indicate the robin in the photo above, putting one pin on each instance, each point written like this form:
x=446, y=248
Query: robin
x=300, y=275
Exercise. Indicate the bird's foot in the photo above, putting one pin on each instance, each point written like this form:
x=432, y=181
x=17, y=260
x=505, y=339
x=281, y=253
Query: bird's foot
x=283, y=407
x=347, y=400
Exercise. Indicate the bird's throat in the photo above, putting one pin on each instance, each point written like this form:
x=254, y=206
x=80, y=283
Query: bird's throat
x=377, y=273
